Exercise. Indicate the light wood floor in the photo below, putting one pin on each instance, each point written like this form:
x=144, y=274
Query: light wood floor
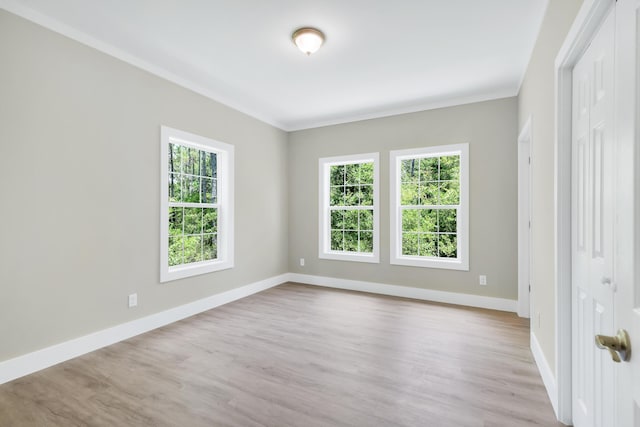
x=299, y=356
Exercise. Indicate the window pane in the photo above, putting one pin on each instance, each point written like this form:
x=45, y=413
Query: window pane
x=209, y=247
x=337, y=175
x=409, y=170
x=214, y=166
x=449, y=193
x=351, y=241
x=191, y=189
x=411, y=220
x=366, y=173
x=192, y=249
x=208, y=193
x=449, y=168
x=429, y=244
x=337, y=241
x=336, y=197
x=192, y=165
x=429, y=193
x=209, y=220
x=410, y=244
x=447, y=246
x=409, y=195
x=366, y=219
x=192, y=221
x=351, y=220
x=366, y=241
x=352, y=173
x=351, y=196
x=429, y=220
x=175, y=251
x=175, y=187
x=366, y=195
x=175, y=157
x=337, y=220
x=429, y=169
x=447, y=220
x=175, y=221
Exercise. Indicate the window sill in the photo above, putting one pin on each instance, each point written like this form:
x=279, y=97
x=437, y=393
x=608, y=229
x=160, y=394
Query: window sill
x=194, y=269
x=350, y=256
x=456, y=264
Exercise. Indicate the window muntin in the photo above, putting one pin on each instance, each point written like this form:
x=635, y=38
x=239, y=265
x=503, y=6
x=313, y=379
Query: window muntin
x=193, y=207
x=429, y=202
x=348, y=200
x=429, y=207
x=196, y=206
x=351, y=206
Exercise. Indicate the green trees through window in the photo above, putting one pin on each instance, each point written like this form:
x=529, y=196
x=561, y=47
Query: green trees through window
x=430, y=200
x=193, y=210
x=351, y=207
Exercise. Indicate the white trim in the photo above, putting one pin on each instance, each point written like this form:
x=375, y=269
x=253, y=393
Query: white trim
x=524, y=218
x=585, y=26
x=395, y=220
x=41, y=359
x=224, y=205
x=548, y=377
x=407, y=292
x=82, y=37
x=324, y=225
x=52, y=24
x=424, y=105
x=58, y=353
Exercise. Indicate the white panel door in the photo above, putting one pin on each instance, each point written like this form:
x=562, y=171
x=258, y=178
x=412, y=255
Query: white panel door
x=592, y=229
x=627, y=263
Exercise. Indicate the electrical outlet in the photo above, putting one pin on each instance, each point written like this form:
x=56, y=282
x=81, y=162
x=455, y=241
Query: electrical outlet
x=301, y=262
x=483, y=280
x=133, y=300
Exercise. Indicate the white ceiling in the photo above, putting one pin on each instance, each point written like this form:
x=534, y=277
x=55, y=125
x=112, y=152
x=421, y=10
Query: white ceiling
x=380, y=57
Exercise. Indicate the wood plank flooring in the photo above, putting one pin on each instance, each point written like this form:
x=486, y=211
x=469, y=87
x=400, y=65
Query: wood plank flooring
x=297, y=355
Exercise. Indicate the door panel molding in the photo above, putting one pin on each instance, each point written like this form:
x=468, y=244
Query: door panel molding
x=589, y=18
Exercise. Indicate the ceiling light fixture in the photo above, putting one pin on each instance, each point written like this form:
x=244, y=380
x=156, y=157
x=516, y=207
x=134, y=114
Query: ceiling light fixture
x=308, y=39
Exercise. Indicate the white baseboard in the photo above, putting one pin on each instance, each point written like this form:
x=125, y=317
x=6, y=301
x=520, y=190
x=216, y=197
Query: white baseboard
x=408, y=292
x=41, y=359
x=548, y=377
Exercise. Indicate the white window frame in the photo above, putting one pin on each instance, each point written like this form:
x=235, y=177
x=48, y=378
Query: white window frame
x=225, y=173
x=396, y=257
x=324, y=238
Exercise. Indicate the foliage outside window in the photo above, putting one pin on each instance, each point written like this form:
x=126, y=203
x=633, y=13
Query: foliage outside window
x=429, y=207
x=196, y=205
x=348, y=200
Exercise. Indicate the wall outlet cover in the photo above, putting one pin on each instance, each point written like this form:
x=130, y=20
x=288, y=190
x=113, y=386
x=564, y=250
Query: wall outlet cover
x=133, y=300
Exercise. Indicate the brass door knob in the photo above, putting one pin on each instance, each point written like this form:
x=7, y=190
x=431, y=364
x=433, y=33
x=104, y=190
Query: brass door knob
x=619, y=346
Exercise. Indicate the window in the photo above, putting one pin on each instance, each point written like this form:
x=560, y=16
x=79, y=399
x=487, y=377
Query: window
x=196, y=205
x=430, y=207
x=349, y=208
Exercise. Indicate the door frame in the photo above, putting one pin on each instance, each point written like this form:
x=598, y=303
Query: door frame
x=590, y=16
x=524, y=217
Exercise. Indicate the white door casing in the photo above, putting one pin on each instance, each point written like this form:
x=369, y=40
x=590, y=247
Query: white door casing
x=592, y=201
x=524, y=220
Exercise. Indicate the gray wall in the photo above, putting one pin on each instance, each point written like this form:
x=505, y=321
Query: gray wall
x=488, y=127
x=79, y=228
x=536, y=99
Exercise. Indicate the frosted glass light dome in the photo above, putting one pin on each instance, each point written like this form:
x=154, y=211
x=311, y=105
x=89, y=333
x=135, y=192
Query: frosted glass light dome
x=308, y=40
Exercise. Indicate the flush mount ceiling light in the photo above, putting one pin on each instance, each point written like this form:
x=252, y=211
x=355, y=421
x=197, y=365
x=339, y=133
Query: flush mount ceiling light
x=308, y=39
